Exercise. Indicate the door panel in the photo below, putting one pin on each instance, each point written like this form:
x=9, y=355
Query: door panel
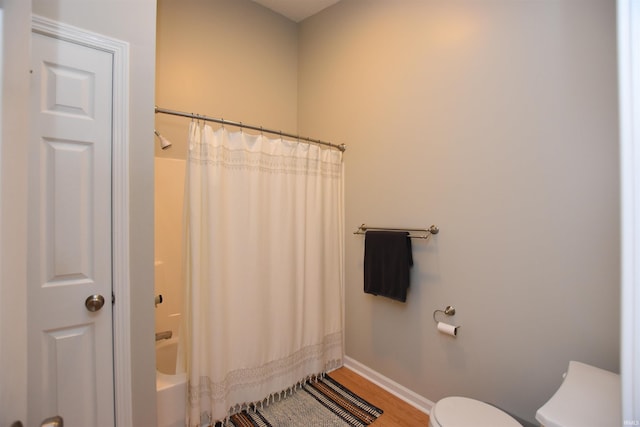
x=70, y=359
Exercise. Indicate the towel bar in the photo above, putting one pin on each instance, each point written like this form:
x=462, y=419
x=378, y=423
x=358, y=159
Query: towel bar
x=427, y=231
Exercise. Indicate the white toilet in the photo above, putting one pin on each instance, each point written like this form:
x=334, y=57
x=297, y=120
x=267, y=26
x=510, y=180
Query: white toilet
x=458, y=411
x=588, y=396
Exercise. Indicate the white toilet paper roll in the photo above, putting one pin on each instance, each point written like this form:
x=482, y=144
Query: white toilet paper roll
x=448, y=329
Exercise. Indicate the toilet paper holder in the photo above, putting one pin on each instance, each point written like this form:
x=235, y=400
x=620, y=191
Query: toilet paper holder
x=444, y=327
x=449, y=311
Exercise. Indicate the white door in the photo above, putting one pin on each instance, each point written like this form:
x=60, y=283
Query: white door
x=70, y=348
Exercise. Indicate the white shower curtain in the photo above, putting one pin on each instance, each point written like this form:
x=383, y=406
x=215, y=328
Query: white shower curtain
x=264, y=268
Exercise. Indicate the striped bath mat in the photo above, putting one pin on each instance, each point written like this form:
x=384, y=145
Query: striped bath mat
x=324, y=402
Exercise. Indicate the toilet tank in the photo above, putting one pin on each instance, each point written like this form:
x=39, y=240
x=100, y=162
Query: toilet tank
x=588, y=396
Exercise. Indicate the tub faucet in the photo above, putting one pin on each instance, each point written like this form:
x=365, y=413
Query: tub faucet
x=164, y=335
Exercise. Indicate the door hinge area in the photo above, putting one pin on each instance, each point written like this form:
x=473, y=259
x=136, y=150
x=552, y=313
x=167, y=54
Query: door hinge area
x=113, y=298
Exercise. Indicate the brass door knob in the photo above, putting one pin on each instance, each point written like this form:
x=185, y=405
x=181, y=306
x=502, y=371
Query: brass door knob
x=94, y=302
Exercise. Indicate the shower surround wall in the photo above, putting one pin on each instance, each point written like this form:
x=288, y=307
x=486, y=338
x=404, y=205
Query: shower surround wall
x=169, y=195
x=494, y=119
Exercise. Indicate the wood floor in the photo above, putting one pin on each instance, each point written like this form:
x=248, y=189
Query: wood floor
x=397, y=413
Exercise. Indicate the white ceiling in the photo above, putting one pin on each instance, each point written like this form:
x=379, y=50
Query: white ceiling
x=296, y=10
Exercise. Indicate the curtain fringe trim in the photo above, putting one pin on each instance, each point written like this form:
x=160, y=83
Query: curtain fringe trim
x=276, y=396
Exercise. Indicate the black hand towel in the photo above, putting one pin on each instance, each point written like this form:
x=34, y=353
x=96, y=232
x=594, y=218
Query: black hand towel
x=387, y=260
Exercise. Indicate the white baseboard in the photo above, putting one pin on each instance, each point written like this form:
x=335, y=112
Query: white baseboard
x=400, y=391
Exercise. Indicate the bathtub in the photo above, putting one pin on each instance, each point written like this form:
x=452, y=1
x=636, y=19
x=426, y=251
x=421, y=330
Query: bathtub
x=171, y=388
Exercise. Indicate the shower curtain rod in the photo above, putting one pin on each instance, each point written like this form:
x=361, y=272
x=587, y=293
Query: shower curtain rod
x=340, y=147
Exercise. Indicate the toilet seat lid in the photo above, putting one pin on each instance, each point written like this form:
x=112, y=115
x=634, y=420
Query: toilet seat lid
x=459, y=411
x=588, y=396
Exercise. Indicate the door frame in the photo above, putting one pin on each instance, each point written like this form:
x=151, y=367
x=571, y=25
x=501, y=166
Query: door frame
x=120, y=201
x=628, y=20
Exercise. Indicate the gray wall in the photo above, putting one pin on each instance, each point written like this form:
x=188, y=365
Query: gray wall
x=494, y=119
x=15, y=25
x=224, y=58
x=497, y=121
x=133, y=21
